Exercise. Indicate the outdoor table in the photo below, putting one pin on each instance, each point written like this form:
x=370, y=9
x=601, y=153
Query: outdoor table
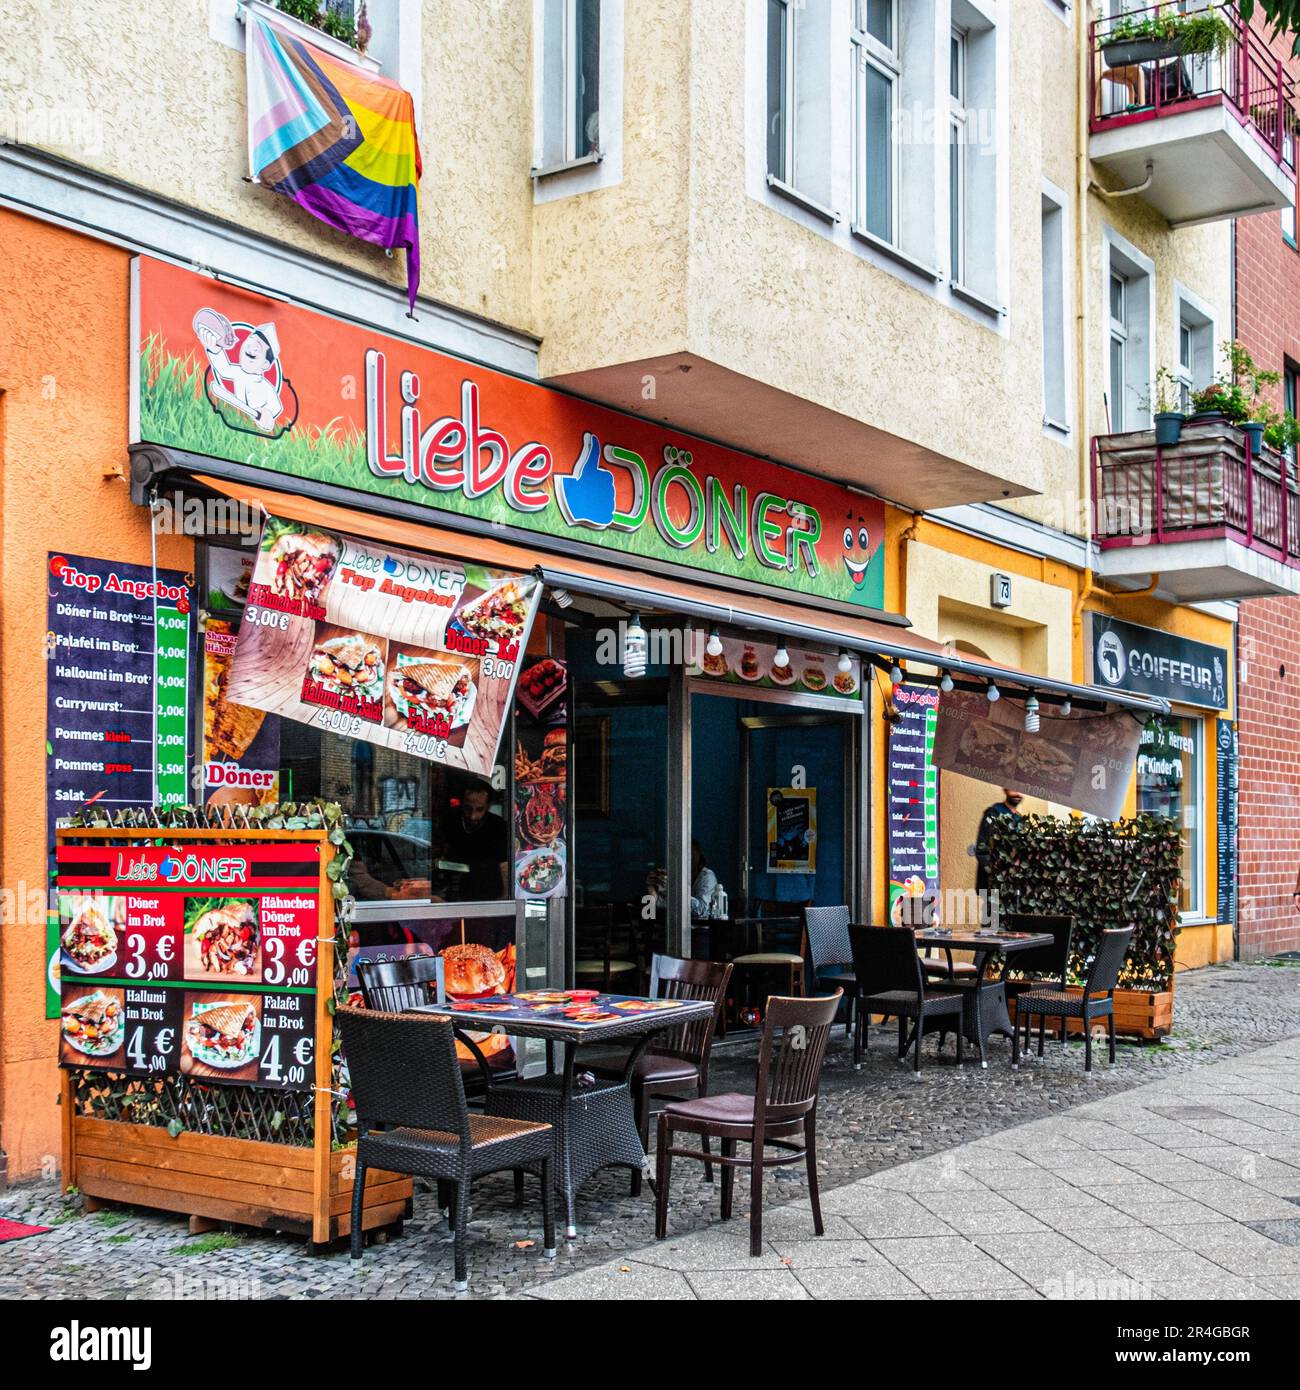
x=595, y=1126
x=984, y=1001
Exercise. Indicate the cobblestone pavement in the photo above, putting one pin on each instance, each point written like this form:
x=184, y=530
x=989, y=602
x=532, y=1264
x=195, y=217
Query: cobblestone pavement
x=869, y=1121
x=1186, y=1188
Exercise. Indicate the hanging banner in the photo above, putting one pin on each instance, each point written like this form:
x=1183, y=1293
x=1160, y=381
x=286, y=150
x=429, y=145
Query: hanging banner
x=1084, y=761
x=406, y=650
x=913, y=795
x=753, y=664
x=792, y=830
x=337, y=404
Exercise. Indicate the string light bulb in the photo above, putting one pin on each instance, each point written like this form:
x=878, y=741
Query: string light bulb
x=994, y=694
x=781, y=658
x=945, y=682
x=1065, y=709
x=896, y=673
x=563, y=598
x=714, y=645
x=634, y=649
x=1031, y=715
x=845, y=663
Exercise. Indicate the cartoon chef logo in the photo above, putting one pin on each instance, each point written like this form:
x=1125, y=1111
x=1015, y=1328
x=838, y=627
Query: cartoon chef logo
x=244, y=379
x=857, y=549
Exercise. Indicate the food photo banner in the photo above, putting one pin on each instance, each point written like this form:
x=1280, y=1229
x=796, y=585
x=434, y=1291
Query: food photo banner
x=741, y=662
x=1084, y=762
x=221, y=372
x=406, y=650
x=190, y=958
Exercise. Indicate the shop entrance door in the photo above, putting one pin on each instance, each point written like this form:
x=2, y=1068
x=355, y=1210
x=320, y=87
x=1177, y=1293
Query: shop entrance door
x=796, y=821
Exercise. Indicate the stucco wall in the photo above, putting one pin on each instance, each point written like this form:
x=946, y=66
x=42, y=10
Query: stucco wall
x=63, y=423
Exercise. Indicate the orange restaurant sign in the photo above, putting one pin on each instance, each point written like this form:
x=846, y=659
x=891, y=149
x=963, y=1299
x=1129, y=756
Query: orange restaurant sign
x=232, y=375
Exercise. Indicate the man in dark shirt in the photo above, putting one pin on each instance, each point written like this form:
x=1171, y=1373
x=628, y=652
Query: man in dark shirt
x=478, y=839
x=1005, y=807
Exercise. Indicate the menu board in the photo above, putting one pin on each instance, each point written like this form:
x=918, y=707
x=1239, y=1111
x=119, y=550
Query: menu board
x=541, y=779
x=401, y=649
x=913, y=794
x=1084, y=761
x=112, y=722
x=753, y=664
x=192, y=958
x=1226, y=764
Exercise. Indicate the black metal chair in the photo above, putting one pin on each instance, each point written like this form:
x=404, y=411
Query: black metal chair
x=826, y=929
x=412, y=1117
x=890, y=982
x=1041, y=967
x=405, y=983
x=678, y=1065
x=1103, y=976
x=781, y=1114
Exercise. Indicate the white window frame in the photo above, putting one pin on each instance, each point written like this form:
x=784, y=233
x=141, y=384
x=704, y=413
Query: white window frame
x=1117, y=334
x=1056, y=204
x=1196, y=321
x=869, y=52
x=1287, y=215
x=785, y=174
x=957, y=124
x=1130, y=404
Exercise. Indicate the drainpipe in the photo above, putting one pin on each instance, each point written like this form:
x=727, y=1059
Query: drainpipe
x=1131, y=189
x=1083, y=98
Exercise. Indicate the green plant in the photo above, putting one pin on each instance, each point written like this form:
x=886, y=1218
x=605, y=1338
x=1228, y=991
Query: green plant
x=1103, y=874
x=1222, y=396
x=1202, y=33
x=1283, y=15
x=1283, y=434
x=1165, y=396
x=207, y=1245
x=337, y=24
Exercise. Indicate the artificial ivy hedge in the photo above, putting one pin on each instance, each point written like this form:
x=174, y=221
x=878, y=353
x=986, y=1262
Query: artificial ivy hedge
x=1103, y=874
x=241, y=1112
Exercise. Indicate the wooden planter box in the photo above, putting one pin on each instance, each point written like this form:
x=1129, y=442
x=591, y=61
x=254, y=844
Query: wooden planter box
x=1138, y=1013
x=272, y=1186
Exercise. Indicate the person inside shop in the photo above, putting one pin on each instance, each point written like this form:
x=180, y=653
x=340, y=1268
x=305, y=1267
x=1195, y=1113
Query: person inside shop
x=477, y=849
x=704, y=885
x=1006, y=807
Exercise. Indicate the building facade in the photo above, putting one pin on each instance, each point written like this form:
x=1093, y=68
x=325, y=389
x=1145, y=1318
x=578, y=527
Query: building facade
x=923, y=257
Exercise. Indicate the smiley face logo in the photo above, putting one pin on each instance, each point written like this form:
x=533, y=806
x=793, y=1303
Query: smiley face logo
x=857, y=549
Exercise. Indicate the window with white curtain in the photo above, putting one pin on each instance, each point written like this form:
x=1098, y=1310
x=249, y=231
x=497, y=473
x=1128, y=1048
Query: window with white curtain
x=570, y=82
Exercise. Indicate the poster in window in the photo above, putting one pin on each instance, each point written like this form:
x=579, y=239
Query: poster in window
x=792, y=830
x=541, y=779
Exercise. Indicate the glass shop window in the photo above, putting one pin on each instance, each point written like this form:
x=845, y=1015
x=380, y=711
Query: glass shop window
x=1170, y=774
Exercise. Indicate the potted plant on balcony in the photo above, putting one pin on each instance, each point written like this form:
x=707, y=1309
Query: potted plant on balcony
x=1151, y=38
x=1220, y=400
x=1260, y=413
x=1163, y=401
x=1283, y=433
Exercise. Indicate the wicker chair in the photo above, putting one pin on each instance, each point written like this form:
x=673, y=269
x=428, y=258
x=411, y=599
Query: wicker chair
x=1049, y=965
x=394, y=985
x=781, y=1114
x=412, y=1118
x=1103, y=976
x=679, y=1064
x=826, y=930
x=890, y=982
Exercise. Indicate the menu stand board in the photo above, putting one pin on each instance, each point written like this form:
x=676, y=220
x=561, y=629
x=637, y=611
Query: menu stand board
x=207, y=954
x=1227, y=769
x=913, y=795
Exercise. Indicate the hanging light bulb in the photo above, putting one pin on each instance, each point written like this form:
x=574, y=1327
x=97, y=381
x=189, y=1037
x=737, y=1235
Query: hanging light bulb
x=896, y=673
x=1031, y=715
x=714, y=645
x=563, y=598
x=994, y=693
x=634, y=648
x=1065, y=709
x=781, y=657
x=845, y=663
x=945, y=682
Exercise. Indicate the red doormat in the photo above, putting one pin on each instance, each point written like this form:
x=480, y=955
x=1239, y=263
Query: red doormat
x=16, y=1230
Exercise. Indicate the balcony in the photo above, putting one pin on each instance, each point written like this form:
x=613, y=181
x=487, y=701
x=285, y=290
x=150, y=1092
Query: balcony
x=1213, y=133
x=1212, y=520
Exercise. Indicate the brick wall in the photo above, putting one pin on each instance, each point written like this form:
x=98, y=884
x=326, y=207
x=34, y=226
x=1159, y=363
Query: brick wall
x=1268, y=703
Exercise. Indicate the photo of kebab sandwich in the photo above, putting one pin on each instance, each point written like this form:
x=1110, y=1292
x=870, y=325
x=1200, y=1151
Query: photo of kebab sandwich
x=351, y=665
x=94, y=1024
x=499, y=613
x=221, y=937
x=986, y=745
x=1042, y=760
x=430, y=688
x=303, y=561
x=223, y=1034
x=89, y=942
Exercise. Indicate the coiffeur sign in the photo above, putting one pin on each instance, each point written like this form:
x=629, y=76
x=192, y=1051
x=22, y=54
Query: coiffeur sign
x=236, y=376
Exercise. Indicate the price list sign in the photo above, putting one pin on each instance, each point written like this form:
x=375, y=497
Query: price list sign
x=190, y=957
x=913, y=794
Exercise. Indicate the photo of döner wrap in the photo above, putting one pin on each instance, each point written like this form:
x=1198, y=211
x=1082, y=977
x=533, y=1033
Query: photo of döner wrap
x=94, y=1024
x=89, y=942
x=499, y=613
x=304, y=562
x=351, y=664
x=223, y=1035
x=225, y=938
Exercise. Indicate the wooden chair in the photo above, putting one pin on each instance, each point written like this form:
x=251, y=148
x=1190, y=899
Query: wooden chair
x=412, y=1117
x=678, y=1065
x=781, y=1114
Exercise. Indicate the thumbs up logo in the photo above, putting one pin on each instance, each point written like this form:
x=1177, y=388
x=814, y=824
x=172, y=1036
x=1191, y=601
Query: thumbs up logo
x=586, y=495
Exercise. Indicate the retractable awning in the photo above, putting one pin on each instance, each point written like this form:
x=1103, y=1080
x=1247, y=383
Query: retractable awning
x=647, y=592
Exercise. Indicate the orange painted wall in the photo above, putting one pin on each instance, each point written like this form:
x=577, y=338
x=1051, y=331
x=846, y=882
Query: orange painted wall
x=64, y=304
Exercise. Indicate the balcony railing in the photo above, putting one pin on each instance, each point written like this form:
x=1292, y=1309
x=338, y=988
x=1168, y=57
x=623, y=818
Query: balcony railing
x=1208, y=486
x=1155, y=80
